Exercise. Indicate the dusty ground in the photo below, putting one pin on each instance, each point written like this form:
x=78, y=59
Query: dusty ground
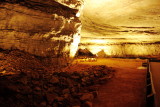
x=126, y=89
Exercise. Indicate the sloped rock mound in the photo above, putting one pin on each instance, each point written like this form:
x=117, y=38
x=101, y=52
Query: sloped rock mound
x=26, y=82
x=101, y=54
x=84, y=53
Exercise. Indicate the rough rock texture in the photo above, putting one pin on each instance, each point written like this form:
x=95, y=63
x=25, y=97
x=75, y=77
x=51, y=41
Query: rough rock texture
x=40, y=27
x=26, y=82
x=127, y=50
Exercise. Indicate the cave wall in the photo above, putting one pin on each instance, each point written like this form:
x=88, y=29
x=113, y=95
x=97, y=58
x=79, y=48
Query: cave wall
x=41, y=27
x=127, y=50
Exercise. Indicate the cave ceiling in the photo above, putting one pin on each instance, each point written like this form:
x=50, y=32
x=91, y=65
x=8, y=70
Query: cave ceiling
x=120, y=19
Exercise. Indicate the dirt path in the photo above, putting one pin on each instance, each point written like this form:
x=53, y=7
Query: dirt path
x=126, y=89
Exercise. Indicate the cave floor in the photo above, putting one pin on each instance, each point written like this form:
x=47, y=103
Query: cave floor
x=128, y=86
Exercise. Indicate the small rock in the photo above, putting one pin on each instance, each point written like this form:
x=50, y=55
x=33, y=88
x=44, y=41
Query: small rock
x=95, y=93
x=59, y=99
x=51, y=97
x=85, y=73
x=55, y=104
x=75, y=102
x=70, y=82
x=51, y=89
x=103, y=80
x=66, y=91
x=75, y=77
x=36, y=82
x=24, y=81
x=87, y=104
x=13, y=88
x=3, y=71
x=37, y=89
x=35, y=75
x=45, y=86
x=66, y=96
x=25, y=89
x=54, y=80
x=87, y=97
x=73, y=89
x=104, y=72
x=2, y=55
x=43, y=104
x=19, y=96
x=92, y=76
x=92, y=88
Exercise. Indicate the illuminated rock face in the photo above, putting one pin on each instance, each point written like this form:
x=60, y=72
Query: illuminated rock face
x=127, y=50
x=40, y=27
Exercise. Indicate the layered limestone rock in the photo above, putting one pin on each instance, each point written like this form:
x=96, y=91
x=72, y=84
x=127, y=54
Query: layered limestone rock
x=126, y=50
x=41, y=27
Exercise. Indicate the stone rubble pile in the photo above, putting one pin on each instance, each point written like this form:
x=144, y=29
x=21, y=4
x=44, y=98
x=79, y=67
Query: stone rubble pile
x=25, y=82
